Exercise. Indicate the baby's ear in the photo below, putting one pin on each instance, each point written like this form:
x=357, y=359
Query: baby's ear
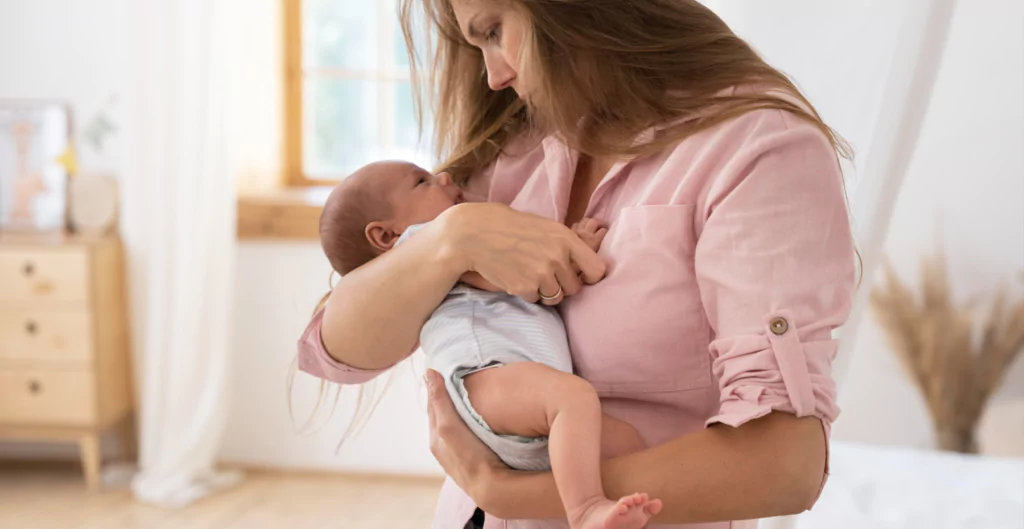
x=381, y=235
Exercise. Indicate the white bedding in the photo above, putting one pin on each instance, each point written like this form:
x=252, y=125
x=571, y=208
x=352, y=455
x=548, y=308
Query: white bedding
x=874, y=487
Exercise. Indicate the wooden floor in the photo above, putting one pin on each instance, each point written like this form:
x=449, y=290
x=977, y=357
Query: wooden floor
x=48, y=497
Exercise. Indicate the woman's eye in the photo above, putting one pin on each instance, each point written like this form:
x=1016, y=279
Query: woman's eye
x=493, y=34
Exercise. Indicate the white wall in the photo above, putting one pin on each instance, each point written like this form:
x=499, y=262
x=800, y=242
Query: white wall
x=968, y=174
x=278, y=287
x=969, y=169
x=71, y=51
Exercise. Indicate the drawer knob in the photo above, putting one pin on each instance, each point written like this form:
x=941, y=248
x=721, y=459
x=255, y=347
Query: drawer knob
x=28, y=269
x=34, y=387
x=31, y=327
x=43, y=287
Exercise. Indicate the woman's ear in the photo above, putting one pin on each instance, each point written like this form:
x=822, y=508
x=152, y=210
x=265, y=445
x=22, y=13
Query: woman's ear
x=382, y=235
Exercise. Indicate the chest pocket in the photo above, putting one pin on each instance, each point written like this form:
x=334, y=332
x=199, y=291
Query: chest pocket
x=643, y=328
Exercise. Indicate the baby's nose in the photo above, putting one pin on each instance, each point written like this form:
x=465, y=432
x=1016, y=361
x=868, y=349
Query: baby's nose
x=444, y=179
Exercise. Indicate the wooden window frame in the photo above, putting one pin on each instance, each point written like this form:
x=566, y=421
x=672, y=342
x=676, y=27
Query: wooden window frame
x=291, y=211
x=294, y=175
x=387, y=72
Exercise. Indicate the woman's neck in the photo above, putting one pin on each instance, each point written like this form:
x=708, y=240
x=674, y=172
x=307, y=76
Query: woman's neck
x=590, y=170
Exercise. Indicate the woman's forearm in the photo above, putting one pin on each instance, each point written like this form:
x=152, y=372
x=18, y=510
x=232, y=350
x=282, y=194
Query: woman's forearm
x=375, y=313
x=767, y=467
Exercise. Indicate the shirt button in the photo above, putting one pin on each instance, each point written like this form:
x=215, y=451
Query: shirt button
x=779, y=326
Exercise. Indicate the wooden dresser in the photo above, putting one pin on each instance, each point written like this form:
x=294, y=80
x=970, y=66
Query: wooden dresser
x=64, y=364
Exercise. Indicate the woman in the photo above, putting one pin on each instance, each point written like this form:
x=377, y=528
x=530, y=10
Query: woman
x=706, y=319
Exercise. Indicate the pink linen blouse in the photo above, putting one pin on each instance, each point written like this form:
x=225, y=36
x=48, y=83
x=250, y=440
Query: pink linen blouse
x=730, y=262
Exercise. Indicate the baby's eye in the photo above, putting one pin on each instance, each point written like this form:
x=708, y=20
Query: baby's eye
x=421, y=181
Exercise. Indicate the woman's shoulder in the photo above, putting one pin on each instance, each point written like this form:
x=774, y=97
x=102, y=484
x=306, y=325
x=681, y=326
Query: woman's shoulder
x=757, y=144
x=762, y=129
x=756, y=132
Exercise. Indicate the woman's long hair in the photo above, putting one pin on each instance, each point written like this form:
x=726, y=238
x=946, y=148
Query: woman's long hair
x=605, y=71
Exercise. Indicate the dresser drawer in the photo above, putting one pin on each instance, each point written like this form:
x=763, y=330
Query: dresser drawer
x=57, y=275
x=47, y=398
x=48, y=336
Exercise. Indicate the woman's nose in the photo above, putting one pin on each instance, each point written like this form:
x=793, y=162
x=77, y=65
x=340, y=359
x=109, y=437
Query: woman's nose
x=499, y=74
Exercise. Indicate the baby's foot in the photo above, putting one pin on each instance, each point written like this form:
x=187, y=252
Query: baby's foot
x=630, y=512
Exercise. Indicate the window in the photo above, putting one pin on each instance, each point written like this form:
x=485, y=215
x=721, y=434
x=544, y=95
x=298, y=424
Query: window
x=348, y=98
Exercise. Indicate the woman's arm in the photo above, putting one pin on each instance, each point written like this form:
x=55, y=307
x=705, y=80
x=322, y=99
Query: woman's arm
x=374, y=315
x=475, y=280
x=728, y=467
x=716, y=474
x=590, y=231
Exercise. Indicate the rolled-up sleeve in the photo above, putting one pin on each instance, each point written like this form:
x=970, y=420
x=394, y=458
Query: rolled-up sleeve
x=314, y=359
x=775, y=266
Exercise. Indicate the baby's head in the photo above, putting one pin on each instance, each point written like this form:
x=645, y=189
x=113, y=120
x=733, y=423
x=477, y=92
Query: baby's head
x=368, y=211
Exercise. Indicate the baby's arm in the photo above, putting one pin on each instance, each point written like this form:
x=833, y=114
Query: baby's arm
x=592, y=231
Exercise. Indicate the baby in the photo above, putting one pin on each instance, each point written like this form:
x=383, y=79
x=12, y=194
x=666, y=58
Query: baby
x=505, y=361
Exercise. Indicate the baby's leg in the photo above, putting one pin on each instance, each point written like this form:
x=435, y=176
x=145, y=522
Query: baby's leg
x=531, y=399
x=618, y=437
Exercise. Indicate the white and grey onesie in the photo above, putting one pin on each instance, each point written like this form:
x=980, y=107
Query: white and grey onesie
x=474, y=329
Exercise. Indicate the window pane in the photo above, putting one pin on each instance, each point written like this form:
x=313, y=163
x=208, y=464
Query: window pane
x=401, y=51
x=406, y=135
x=339, y=34
x=406, y=130
x=340, y=126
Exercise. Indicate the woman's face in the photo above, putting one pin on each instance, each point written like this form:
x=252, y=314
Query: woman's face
x=498, y=30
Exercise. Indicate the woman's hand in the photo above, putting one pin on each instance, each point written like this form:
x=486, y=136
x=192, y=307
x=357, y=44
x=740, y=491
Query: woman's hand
x=522, y=254
x=465, y=458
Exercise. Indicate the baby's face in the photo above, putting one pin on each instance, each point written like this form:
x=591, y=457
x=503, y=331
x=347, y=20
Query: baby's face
x=419, y=196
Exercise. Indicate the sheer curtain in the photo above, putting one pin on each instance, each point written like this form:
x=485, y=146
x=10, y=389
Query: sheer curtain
x=178, y=224
x=869, y=68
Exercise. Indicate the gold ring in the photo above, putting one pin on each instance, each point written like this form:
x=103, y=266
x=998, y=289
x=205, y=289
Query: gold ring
x=551, y=298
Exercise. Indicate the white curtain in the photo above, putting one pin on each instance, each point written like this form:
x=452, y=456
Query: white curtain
x=178, y=225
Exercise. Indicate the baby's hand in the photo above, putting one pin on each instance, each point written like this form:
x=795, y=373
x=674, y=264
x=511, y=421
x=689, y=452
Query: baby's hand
x=592, y=231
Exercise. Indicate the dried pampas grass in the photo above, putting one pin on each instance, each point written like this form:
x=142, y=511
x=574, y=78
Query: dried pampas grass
x=933, y=338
